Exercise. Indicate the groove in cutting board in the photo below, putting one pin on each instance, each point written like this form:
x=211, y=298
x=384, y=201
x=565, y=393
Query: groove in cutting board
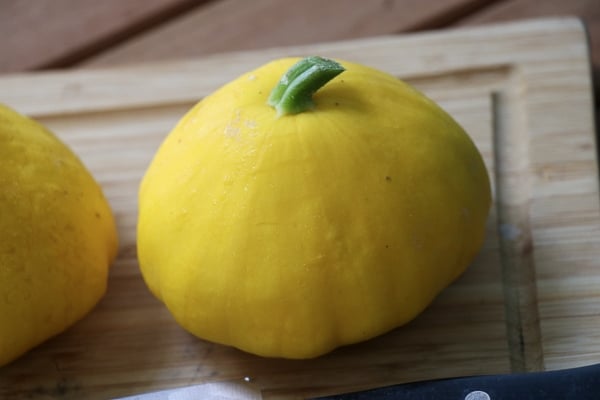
x=513, y=195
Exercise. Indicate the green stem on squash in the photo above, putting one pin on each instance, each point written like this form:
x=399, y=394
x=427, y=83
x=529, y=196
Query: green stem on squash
x=293, y=93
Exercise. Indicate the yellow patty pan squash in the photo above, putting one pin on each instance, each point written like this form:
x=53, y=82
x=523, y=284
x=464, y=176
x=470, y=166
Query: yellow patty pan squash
x=287, y=224
x=57, y=236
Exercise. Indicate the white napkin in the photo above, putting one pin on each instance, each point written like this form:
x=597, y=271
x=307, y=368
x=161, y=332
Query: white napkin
x=206, y=391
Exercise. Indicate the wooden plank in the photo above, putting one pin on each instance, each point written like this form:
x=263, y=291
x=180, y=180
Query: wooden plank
x=537, y=144
x=587, y=10
x=228, y=25
x=38, y=34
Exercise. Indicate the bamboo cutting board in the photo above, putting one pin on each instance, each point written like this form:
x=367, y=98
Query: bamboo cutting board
x=530, y=301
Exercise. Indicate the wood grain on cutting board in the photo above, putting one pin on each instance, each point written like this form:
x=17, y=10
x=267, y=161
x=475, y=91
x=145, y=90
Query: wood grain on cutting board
x=530, y=300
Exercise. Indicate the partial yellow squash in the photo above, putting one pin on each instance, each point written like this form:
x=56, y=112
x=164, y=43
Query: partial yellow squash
x=57, y=236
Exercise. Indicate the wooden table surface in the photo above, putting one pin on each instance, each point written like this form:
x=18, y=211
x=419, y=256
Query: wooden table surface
x=57, y=34
x=41, y=34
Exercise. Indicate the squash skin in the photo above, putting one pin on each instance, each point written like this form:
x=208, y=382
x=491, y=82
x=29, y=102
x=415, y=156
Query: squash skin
x=289, y=237
x=58, y=236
